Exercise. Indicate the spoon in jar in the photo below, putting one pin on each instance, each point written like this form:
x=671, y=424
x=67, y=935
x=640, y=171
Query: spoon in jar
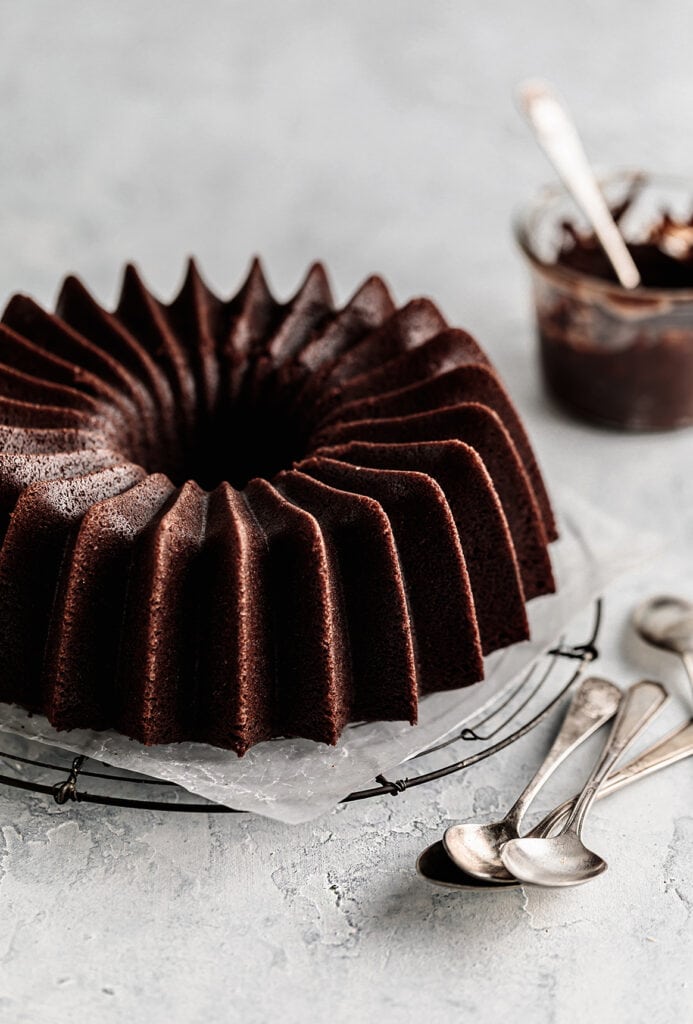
x=435, y=866
x=557, y=135
x=564, y=859
x=475, y=848
x=667, y=623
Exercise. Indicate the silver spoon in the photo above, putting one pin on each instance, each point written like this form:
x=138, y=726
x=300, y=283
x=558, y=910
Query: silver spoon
x=667, y=623
x=557, y=135
x=435, y=866
x=475, y=848
x=564, y=859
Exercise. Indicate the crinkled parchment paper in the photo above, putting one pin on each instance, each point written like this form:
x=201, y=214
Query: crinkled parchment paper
x=297, y=780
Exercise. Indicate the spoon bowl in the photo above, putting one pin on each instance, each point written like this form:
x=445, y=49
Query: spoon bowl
x=475, y=849
x=666, y=622
x=559, y=861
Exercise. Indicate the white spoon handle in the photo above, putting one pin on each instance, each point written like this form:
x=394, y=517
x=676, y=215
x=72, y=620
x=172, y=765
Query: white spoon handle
x=558, y=137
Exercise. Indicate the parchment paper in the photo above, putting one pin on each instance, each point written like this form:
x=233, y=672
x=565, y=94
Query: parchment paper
x=298, y=780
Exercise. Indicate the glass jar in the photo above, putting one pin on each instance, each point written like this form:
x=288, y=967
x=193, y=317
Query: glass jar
x=614, y=357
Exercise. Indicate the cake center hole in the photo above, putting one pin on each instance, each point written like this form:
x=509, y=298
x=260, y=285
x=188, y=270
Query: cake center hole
x=235, y=446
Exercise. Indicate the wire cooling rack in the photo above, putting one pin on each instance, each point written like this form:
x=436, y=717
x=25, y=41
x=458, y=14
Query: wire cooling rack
x=501, y=723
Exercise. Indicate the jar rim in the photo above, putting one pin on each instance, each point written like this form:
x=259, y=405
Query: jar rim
x=554, y=191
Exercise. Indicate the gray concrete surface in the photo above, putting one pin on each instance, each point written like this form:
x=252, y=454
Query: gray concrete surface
x=379, y=136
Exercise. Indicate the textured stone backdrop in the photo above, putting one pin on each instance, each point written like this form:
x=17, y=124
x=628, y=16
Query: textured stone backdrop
x=379, y=136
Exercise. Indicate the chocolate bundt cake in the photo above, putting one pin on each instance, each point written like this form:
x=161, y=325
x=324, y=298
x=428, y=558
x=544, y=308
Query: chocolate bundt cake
x=229, y=520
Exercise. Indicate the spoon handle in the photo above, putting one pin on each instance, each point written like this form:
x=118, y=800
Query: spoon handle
x=687, y=659
x=674, y=747
x=594, y=703
x=558, y=137
x=639, y=705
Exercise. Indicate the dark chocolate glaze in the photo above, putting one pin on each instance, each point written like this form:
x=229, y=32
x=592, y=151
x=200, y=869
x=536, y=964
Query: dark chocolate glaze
x=657, y=266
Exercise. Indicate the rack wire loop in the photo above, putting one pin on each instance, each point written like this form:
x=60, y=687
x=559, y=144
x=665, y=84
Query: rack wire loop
x=67, y=790
x=393, y=788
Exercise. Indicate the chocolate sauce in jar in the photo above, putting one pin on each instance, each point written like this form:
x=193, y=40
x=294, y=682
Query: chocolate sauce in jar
x=646, y=385
x=665, y=260
x=619, y=358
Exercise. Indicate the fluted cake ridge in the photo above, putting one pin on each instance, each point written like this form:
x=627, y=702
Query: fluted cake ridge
x=227, y=520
